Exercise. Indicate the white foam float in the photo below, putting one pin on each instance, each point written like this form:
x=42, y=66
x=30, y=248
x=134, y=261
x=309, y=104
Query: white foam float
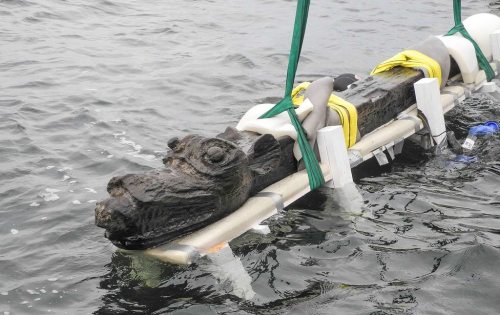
x=464, y=54
x=480, y=26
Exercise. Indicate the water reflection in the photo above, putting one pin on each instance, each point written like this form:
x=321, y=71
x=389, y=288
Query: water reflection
x=136, y=283
x=227, y=268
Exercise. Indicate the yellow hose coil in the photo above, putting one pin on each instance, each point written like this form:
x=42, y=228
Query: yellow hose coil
x=347, y=112
x=411, y=59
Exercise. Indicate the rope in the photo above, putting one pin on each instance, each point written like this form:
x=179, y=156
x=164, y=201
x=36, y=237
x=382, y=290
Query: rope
x=314, y=172
x=460, y=28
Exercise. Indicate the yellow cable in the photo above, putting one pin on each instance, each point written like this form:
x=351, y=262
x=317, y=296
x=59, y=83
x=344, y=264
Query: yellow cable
x=350, y=118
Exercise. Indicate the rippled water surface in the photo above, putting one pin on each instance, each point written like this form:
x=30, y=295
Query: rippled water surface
x=92, y=89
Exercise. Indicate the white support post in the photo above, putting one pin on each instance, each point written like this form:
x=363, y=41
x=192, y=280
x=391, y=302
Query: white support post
x=333, y=152
x=495, y=46
x=227, y=267
x=429, y=102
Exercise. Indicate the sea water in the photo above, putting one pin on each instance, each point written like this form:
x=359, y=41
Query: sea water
x=93, y=89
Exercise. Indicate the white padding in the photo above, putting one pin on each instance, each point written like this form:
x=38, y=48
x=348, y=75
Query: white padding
x=495, y=45
x=455, y=90
x=447, y=101
x=464, y=54
x=449, y=95
x=480, y=77
x=278, y=126
x=480, y=26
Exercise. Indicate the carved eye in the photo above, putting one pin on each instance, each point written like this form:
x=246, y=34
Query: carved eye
x=215, y=154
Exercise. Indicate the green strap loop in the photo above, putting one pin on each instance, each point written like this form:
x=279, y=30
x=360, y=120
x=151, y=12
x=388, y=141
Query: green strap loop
x=460, y=28
x=314, y=172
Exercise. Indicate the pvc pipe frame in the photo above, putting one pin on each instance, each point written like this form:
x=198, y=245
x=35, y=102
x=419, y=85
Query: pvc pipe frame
x=334, y=156
x=336, y=165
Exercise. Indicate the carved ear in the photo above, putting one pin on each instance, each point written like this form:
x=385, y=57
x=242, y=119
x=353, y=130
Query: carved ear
x=264, y=155
x=230, y=134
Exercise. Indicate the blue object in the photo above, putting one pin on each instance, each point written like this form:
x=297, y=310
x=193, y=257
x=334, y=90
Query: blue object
x=465, y=159
x=488, y=128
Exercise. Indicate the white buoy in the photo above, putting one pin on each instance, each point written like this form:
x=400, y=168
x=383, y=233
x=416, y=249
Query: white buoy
x=429, y=102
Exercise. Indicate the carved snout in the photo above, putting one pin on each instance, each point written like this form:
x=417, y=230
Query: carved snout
x=110, y=215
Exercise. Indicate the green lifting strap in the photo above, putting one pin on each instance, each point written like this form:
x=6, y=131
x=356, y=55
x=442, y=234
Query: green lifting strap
x=316, y=178
x=460, y=28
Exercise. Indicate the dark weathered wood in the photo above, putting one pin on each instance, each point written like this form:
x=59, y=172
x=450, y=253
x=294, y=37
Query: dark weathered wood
x=267, y=167
x=382, y=97
x=205, y=179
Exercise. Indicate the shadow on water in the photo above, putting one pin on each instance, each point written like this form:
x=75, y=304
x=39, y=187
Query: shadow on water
x=137, y=284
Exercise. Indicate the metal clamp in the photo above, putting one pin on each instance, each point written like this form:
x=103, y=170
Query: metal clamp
x=398, y=146
x=355, y=157
x=381, y=157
